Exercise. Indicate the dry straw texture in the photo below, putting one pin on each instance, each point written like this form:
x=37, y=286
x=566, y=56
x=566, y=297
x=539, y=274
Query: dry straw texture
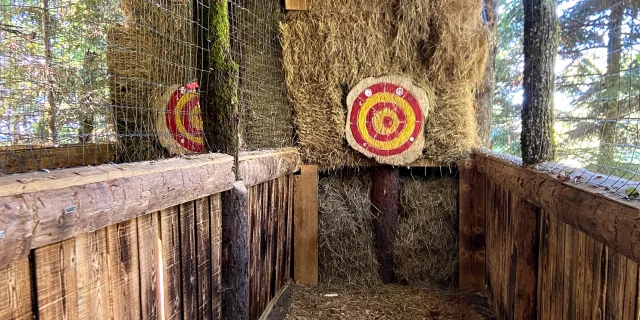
x=427, y=243
x=328, y=49
x=386, y=302
x=426, y=249
x=345, y=248
x=152, y=51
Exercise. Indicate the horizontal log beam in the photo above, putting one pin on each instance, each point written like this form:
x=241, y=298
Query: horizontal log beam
x=18, y=159
x=599, y=213
x=261, y=166
x=41, y=208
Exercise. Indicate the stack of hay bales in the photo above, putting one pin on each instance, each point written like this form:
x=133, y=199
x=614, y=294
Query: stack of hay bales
x=426, y=248
x=152, y=51
x=328, y=49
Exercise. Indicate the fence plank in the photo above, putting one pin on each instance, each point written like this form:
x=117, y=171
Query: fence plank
x=124, y=270
x=216, y=252
x=148, y=248
x=56, y=281
x=203, y=247
x=305, y=202
x=93, y=275
x=189, y=274
x=170, y=272
x=15, y=291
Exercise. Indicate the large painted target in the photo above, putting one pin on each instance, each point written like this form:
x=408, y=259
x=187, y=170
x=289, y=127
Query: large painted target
x=385, y=119
x=179, y=121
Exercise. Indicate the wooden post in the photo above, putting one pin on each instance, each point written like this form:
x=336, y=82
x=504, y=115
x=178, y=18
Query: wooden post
x=235, y=252
x=385, y=195
x=295, y=4
x=471, y=228
x=525, y=219
x=540, y=47
x=305, y=220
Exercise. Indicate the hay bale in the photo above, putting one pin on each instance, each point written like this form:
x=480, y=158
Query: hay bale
x=427, y=243
x=346, y=253
x=332, y=46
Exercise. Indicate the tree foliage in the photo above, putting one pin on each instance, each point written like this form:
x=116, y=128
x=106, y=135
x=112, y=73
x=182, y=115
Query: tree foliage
x=73, y=74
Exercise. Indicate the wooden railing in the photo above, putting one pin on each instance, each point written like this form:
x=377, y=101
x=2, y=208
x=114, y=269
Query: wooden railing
x=141, y=240
x=554, y=249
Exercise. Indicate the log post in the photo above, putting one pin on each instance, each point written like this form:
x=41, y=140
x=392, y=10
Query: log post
x=540, y=47
x=235, y=252
x=385, y=196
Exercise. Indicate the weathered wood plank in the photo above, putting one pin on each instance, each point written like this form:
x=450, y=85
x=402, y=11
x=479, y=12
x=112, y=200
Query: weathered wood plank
x=235, y=246
x=547, y=256
x=203, y=247
x=289, y=232
x=93, y=275
x=295, y=4
x=631, y=291
x=616, y=278
x=149, y=250
x=189, y=275
x=70, y=202
x=216, y=254
x=56, y=281
x=305, y=203
x=261, y=166
x=597, y=213
x=465, y=226
x=34, y=158
x=15, y=291
x=170, y=271
x=124, y=273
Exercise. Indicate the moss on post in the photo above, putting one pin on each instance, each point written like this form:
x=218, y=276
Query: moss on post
x=220, y=105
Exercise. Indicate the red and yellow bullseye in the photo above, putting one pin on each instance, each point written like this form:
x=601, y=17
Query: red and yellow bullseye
x=180, y=122
x=385, y=119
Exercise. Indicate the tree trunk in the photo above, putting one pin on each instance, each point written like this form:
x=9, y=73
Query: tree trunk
x=385, y=196
x=540, y=48
x=484, y=96
x=50, y=104
x=235, y=253
x=611, y=83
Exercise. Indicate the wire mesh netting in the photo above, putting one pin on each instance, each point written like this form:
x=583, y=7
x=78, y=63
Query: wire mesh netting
x=266, y=116
x=84, y=82
x=96, y=81
x=597, y=98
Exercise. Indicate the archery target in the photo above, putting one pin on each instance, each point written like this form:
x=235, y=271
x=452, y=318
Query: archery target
x=179, y=121
x=385, y=119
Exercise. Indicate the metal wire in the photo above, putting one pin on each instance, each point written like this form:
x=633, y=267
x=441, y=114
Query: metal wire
x=597, y=100
x=265, y=114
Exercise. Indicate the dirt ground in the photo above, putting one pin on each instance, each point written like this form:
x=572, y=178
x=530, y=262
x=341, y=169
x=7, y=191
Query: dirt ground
x=384, y=302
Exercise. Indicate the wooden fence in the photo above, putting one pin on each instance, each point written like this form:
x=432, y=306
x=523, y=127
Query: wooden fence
x=140, y=241
x=554, y=250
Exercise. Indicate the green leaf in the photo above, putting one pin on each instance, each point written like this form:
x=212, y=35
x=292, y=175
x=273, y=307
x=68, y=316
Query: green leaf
x=631, y=192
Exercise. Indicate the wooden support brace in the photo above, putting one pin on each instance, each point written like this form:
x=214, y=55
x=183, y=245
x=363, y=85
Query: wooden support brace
x=235, y=253
x=385, y=197
x=471, y=228
x=305, y=220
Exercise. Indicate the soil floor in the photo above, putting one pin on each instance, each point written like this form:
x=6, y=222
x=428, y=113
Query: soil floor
x=385, y=302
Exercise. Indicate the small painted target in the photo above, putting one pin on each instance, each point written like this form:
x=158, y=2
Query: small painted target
x=179, y=121
x=386, y=119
